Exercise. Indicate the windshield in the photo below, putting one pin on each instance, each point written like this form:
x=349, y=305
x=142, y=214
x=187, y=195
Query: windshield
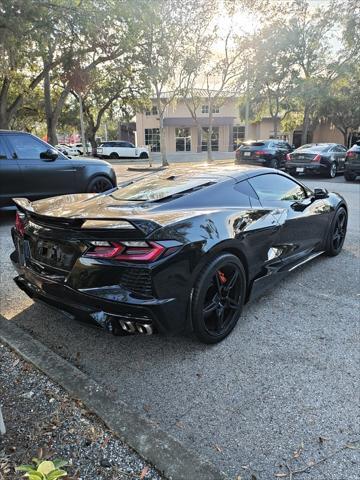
x=152, y=189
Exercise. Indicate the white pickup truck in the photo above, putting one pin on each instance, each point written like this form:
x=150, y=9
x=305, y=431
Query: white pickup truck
x=121, y=149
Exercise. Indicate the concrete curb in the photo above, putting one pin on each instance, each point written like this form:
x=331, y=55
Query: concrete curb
x=146, y=169
x=168, y=455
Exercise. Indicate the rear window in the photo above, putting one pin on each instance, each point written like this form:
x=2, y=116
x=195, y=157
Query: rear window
x=151, y=190
x=254, y=144
x=315, y=148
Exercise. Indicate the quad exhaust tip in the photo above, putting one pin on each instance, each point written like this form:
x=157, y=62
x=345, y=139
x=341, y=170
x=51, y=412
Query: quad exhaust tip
x=133, y=327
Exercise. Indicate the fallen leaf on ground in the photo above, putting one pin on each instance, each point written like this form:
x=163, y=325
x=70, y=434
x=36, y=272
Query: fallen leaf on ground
x=218, y=448
x=144, y=472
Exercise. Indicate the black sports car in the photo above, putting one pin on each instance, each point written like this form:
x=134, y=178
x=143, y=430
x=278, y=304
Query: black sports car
x=352, y=162
x=173, y=251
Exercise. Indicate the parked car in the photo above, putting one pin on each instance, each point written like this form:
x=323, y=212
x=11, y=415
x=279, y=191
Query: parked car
x=268, y=153
x=352, y=162
x=32, y=168
x=67, y=150
x=324, y=158
x=175, y=250
x=80, y=149
x=120, y=149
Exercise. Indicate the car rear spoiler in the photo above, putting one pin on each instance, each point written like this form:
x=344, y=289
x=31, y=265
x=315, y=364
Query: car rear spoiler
x=87, y=224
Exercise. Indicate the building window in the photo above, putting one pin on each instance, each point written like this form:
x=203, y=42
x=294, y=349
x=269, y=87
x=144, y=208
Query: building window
x=205, y=109
x=152, y=139
x=152, y=111
x=183, y=139
x=214, y=139
x=238, y=136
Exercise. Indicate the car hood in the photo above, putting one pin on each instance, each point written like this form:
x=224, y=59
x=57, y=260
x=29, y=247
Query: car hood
x=87, y=161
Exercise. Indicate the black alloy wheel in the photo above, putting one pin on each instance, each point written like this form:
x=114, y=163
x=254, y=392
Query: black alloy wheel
x=99, y=184
x=114, y=155
x=144, y=155
x=274, y=163
x=218, y=298
x=337, y=233
x=332, y=170
x=349, y=177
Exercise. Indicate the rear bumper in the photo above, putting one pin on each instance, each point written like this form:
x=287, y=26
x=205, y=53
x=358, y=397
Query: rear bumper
x=313, y=168
x=102, y=305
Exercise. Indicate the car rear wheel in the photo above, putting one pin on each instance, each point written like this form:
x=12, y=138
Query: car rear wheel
x=349, y=177
x=337, y=233
x=218, y=298
x=274, y=163
x=144, y=155
x=99, y=184
x=114, y=155
x=332, y=170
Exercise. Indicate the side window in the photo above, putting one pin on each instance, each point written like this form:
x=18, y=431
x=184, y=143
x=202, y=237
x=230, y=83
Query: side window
x=3, y=153
x=26, y=147
x=274, y=187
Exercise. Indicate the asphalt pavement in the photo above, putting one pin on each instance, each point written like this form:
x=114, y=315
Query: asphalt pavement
x=281, y=392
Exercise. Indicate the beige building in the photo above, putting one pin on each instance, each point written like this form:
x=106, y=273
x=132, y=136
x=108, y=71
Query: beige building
x=183, y=135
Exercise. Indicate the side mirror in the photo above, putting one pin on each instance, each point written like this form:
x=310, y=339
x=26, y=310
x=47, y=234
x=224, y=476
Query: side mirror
x=320, y=193
x=49, y=155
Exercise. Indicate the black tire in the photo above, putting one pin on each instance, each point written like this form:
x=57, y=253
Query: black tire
x=99, y=184
x=349, y=177
x=332, y=171
x=114, y=155
x=144, y=155
x=337, y=233
x=79, y=152
x=218, y=298
x=274, y=163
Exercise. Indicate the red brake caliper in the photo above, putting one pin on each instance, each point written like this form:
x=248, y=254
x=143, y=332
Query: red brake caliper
x=222, y=277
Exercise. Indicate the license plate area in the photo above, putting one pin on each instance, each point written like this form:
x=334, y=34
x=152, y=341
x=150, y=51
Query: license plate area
x=300, y=169
x=57, y=255
x=247, y=154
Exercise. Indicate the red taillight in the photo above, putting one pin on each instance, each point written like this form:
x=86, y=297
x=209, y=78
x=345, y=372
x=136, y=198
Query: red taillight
x=19, y=223
x=317, y=158
x=128, y=251
x=260, y=152
x=351, y=154
x=288, y=157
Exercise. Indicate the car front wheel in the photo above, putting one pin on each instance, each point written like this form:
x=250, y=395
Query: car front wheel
x=218, y=298
x=144, y=155
x=99, y=184
x=274, y=163
x=337, y=233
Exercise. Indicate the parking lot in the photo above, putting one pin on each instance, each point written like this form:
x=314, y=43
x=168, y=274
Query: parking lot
x=281, y=390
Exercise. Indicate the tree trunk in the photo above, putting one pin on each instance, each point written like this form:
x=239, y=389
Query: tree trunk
x=165, y=162
x=4, y=117
x=346, y=137
x=275, y=122
x=51, y=128
x=305, y=125
x=209, y=146
x=91, y=136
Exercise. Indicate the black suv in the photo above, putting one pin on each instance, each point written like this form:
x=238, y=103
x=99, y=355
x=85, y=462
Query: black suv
x=30, y=167
x=268, y=153
x=352, y=162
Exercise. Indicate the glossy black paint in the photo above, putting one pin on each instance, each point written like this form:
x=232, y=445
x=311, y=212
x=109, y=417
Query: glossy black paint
x=352, y=162
x=270, y=238
x=304, y=158
x=41, y=171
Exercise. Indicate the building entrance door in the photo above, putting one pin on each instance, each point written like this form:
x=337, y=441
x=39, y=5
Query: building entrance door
x=183, y=139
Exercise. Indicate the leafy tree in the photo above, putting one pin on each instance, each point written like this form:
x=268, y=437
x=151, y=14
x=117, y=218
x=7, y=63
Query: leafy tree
x=166, y=32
